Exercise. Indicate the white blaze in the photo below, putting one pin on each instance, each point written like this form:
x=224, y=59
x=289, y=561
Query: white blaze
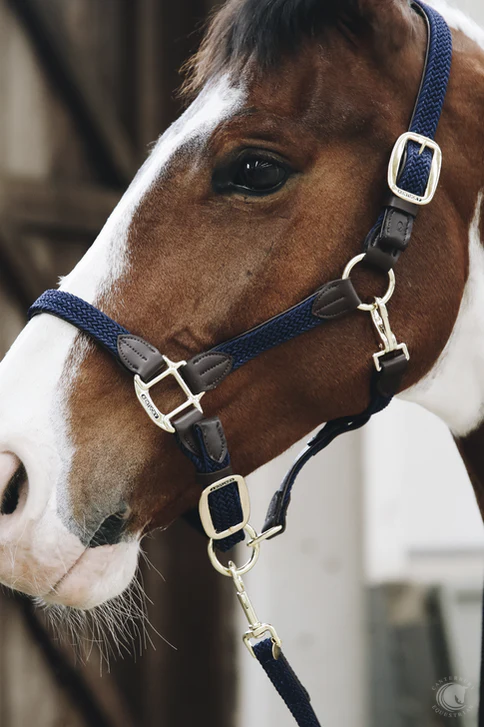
x=34, y=386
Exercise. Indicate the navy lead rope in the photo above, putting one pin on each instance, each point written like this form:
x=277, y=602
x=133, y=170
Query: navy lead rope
x=202, y=440
x=288, y=686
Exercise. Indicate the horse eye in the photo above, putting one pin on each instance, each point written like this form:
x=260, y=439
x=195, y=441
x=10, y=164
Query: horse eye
x=260, y=175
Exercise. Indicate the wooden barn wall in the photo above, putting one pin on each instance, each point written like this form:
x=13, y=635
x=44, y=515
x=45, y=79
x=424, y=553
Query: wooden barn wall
x=64, y=161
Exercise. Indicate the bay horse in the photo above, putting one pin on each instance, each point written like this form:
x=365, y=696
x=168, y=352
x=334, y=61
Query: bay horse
x=261, y=191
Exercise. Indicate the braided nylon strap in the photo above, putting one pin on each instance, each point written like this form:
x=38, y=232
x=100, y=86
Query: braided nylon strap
x=415, y=175
x=287, y=684
x=225, y=506
x=278, y=330
x=244, y=348
x=226, y=510
x=82, y=315
x=276, y=515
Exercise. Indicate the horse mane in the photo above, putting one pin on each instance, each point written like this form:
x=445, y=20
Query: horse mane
x=263, y=30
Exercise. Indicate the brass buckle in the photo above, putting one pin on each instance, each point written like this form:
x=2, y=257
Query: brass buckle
x=144, y=397
x=206, y=515
x=396, y=161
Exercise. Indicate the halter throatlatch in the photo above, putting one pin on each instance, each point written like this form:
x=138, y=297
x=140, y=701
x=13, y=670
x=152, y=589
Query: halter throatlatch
x=224, y=510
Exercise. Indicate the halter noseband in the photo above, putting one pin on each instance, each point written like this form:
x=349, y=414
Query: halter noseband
x=224, y=511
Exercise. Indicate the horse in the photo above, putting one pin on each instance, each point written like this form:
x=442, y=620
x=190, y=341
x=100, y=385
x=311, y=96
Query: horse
x=262, y=190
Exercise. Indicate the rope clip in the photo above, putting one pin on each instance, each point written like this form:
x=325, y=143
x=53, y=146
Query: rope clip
x=389, y=343
x=257, y=629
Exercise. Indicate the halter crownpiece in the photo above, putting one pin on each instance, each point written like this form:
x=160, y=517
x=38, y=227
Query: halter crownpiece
x=224, y=511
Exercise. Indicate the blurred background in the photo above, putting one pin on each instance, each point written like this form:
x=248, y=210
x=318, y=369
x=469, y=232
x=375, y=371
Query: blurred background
x=376, y=588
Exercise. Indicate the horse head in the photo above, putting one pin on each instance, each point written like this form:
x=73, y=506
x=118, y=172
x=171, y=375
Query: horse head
x=263, y=189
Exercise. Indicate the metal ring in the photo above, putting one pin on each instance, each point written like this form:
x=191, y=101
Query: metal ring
x=254, y=557
x=391, y=284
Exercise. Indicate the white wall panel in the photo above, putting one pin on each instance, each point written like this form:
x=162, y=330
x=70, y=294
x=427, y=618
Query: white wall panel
x=309, y=584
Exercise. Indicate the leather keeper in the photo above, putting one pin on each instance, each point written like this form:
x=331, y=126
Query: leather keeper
x=381, y=259
x=377, y=256
x=404, y=205
x=396, y=229
x=212, y=433
x=184, y=429
x=213, y=439
x=393, y=368
x=335, y=299
x=206, y=371
x=140, y=357
x=276, y=514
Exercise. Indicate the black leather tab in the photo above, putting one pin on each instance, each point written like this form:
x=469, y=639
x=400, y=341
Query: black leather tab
x=276, y=514
x=335, y=300
x=402, y=204
x=206, y=371
x=381, y=259
x=213, y=438
x=393, y=368
x=212, y=433
x=205, y=479
x=140, y=357
x=386, y=243
x=184, y=429
x=396, y=229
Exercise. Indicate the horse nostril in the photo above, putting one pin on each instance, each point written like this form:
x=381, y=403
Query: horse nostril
x=111, y=530
x=11, y=495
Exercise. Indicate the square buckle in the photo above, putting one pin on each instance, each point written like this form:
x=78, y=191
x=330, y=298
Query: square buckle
x=206, y=515
x=144, y=397
x=395, y=164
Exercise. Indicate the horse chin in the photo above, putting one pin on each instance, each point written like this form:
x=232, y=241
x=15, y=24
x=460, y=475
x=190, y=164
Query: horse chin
x=50, y=563
x=99, y=575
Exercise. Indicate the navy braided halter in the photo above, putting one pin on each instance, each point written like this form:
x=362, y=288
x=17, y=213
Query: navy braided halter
x=224, y=507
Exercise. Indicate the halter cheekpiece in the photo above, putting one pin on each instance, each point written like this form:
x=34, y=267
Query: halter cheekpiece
x=224, y=511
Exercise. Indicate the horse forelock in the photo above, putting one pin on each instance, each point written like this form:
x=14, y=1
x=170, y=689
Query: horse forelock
x=267, y=31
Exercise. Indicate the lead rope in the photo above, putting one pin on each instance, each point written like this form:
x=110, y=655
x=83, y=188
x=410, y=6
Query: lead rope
x=224, y=507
